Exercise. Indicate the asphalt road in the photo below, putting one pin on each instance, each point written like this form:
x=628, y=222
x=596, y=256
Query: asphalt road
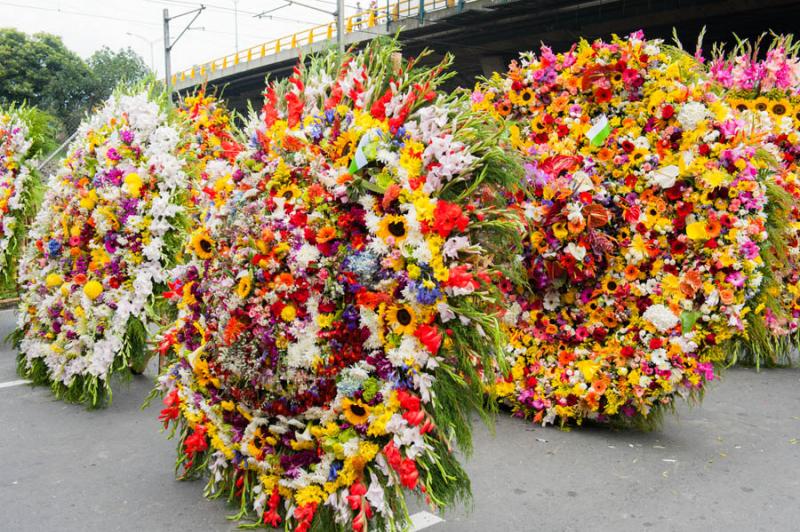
x=732, y=463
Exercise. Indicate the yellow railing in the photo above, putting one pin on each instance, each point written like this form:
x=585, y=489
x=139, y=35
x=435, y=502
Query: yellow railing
x=362, y=21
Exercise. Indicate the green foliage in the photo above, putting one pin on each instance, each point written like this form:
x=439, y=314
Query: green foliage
x=40, y=70
x=111, y=68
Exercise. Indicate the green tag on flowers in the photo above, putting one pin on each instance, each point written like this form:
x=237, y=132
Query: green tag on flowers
x=688, y=319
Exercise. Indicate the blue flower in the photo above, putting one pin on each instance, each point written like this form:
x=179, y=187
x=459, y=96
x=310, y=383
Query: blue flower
x=333, y=474
x=54, y=247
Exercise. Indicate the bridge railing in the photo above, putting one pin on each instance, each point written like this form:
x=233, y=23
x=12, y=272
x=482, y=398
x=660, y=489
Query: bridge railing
x=362, y=21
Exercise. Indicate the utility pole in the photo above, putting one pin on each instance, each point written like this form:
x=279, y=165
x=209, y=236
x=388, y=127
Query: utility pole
x=167, y=49
x=340, y=27
x=236, y=22
x=168, y=46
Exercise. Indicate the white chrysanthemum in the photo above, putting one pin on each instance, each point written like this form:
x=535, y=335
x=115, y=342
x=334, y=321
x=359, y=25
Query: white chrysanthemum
x=661, y=317
x=691, y=114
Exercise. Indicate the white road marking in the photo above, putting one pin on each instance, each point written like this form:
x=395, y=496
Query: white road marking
x=422, y=520
x=9, y=384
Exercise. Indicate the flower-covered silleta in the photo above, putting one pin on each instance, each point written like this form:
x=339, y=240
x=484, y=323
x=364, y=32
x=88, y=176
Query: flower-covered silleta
x=18, y=180
x=101, y=248
x=339, y=301
x=645, y=222
x=765, y=94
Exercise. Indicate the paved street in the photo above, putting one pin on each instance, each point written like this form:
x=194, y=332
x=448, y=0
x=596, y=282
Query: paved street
x=732, y=463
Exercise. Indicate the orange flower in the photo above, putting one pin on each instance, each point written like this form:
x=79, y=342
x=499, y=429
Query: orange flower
x=599, y=385
x=565, y=357
x=631, y=272
x=576, y=226
x=605, y=154
x=726, y=296
x=325, y=234
x=285, y=279
x=503, y=108
x=713, y=227
x=233, y=330
x=691, y=283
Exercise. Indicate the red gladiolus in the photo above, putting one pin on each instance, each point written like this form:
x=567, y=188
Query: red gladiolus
x=195, y=443
x=414, y=418
x=172, y=410
x=357, y=490
x=271, y=517
x=305, y=515
x=446, y=217
x=408, y=473
x=270, y=108
x=460, y=278
x=378, y=109
x=408, y=401
x=430, y=337
x=392, y=455
x=166, y=343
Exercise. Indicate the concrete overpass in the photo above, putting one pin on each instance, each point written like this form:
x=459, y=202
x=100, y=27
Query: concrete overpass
x=485, y=35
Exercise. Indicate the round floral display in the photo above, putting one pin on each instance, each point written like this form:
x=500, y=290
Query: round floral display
x=100, y=248
x=645, y=221
x=765, y=94
x=339, y=300
x=17, y=180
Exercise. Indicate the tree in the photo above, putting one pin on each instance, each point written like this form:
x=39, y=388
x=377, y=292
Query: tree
x=41, y=71
x=110, y=68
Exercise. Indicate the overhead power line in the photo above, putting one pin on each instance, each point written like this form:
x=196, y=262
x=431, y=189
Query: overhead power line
x=78, y=13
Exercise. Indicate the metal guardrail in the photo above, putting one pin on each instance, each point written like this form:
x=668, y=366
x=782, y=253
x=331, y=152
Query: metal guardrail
x=369, y=18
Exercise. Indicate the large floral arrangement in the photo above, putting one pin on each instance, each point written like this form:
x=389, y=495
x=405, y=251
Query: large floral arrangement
x=339, y=302
x=18, y=183
x=101, y=247
x=645, y=223
x=765, y=94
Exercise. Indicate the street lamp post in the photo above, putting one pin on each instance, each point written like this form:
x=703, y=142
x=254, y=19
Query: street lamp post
x=150, y=43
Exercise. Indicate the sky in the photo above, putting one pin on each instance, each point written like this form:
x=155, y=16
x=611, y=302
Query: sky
x=87, y=25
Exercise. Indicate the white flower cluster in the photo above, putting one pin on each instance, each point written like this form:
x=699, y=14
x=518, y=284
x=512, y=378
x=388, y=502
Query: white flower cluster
x=74, y=333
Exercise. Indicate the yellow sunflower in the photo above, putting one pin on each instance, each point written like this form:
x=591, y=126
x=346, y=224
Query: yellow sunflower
x=288, y=192
x=244, y=286
x=393, y=226
x=739, y=104
x=202, y=244
x=356, y=412
x=761, y=104
x=779, y=108
x=403, y=320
